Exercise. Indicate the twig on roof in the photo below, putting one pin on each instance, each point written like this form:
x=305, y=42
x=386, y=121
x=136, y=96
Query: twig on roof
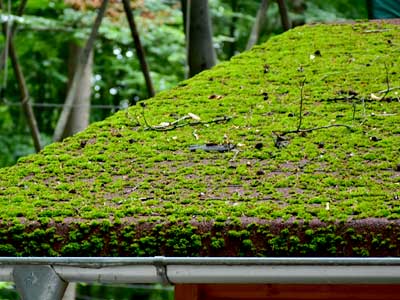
x=279, y=138
x=387, y=82
x=315, y=128
x=167, y=126
x=389, y=90
x=280, y=141
x=301, y=103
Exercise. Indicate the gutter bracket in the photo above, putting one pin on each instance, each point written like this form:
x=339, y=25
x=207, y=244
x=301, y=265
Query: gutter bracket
x=38, y=282
x=161, y=269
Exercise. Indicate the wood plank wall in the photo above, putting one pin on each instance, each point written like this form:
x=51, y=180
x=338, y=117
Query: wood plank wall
x=285, y=292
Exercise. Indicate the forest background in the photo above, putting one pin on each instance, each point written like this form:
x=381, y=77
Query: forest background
x=49, y=29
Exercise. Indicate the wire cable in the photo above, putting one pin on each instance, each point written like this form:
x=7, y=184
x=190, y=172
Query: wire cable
x=60, y=105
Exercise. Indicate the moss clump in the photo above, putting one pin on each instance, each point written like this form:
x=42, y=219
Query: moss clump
x=315, y=154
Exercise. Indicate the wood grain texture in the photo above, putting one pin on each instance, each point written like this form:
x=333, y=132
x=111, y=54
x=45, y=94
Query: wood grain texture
x=286, y=292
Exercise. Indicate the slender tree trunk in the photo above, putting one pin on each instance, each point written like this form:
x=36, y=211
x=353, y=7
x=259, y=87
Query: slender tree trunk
x=286, y=23
x=25, y=98
x=69, y=101
x=258, y=24
x=79, y=116
x=201, y=52
x=232, y=28
x=138, y=46
x=185, y=6
x=13, y=28
x=369, y=9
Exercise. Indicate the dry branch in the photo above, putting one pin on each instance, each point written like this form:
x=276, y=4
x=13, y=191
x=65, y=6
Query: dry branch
x=167, y=126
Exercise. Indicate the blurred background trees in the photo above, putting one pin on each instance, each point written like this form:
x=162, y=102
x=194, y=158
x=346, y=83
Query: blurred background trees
x=105, y=292
x=51, y=32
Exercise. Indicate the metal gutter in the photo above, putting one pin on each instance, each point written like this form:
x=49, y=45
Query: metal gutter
x=180, y=270
x=113, y=261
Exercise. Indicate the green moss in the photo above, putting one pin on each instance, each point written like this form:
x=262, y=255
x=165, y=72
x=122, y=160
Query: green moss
x=217, y=243
x=7, y=250
x=121, y=188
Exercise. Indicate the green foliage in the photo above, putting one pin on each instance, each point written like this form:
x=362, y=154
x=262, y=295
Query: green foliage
x=125, y=292
x=233, y=20
x=7, y=291
x=42, y=43
x=322, y=10
x=97, y=291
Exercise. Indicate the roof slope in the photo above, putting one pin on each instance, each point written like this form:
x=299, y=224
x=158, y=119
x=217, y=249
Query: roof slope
x=287, y=150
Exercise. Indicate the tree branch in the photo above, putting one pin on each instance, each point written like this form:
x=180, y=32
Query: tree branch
x=314, y=128
x=30, y=116
x=138, y=46
x=387, y=82
x=178, y=123
x=301, y=103
x=12, y=30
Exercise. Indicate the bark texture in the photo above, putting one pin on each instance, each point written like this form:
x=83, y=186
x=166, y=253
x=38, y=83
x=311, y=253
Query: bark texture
x=201, y=52
x=258, y=24
x=79, y=116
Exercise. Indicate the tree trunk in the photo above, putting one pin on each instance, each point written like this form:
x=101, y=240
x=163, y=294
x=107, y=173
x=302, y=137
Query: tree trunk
x=283, y=10
x=79, y=116
x=258, y=24
x=139, y=49
x=201, y=52
x=232, y=28
x=69, y=101
x=25, y=98
x=185, y=7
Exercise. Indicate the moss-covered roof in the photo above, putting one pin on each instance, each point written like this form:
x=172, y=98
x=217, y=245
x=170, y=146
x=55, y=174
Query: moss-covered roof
x=224, y=164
